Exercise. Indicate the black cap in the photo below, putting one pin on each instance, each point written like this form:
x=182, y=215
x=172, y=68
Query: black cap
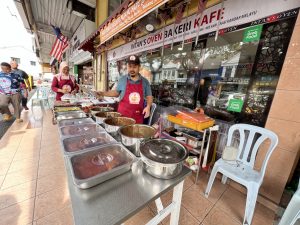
x=134, y=59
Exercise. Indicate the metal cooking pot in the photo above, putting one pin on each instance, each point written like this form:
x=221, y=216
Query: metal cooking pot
x=112, y=125
x=132, y=135
x=163, y=158
x=101, y=109
x=101, y=116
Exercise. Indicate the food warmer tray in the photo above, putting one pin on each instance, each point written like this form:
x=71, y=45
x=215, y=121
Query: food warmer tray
x=74, y=145
x=69, y=115
x=100, y=164
x=77, y=130
x=72, y=122
x=66, y=109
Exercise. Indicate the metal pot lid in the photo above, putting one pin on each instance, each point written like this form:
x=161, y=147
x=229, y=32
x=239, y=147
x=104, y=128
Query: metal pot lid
x=163, y=151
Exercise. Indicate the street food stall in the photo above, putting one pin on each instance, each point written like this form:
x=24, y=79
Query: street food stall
x=112, y=162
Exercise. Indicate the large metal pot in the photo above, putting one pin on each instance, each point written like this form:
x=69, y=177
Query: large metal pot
x=101, y=116
x=132, y=135
x=101, y=109
x=112, y=125
x=163, y=158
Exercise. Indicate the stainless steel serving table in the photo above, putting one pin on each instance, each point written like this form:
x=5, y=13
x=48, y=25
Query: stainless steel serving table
x=118, y=199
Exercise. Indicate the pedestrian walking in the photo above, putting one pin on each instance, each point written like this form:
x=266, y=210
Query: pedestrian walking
x=10, y=88
x=26, y=87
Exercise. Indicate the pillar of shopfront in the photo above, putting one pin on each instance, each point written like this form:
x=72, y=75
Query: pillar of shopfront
x=284, y=120
x=101, y=16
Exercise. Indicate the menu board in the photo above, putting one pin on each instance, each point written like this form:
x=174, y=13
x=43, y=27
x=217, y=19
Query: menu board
x=88, y=75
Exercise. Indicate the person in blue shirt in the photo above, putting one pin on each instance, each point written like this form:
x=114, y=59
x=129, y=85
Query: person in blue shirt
x=10, y=88
x=134, y=92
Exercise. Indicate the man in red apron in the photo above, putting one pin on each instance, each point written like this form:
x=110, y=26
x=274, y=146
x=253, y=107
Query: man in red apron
x=133, y=90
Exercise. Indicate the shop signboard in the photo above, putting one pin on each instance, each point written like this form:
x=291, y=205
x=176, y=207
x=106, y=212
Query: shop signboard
x=129, y=16
x=235, y=105
x=252, y=33
x=234, y=15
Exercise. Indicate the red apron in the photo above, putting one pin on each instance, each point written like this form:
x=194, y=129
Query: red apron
x=62, y=83
x=132, y=104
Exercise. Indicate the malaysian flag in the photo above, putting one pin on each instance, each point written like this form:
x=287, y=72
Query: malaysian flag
x=60, y=45
x=179, y=15
x=201, y=6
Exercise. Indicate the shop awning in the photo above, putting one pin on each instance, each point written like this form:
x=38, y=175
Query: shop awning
x=88, y=43
x=128, y=13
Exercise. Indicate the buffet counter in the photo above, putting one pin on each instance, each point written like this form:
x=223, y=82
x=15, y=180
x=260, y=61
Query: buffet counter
x=118, y=199
x=108, y=181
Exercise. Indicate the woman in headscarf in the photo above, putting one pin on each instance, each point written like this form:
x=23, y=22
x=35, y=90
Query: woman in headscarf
x=64, y=82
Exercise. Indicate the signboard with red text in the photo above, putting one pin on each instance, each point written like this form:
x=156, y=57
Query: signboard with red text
x=234, y=13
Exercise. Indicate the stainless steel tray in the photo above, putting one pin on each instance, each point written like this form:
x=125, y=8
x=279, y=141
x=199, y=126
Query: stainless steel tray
x=77, y=130
x=77, y=144
x=60, y=109
x=85, y=161
x=67, y=112
x=69, y=115
x=73, y=122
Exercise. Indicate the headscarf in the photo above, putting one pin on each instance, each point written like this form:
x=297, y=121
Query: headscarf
x=62, y=65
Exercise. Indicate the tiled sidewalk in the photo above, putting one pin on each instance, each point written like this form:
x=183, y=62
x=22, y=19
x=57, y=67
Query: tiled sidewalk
x=33, y=185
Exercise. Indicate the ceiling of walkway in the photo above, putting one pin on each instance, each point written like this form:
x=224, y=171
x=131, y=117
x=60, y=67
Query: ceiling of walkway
x=39, y=15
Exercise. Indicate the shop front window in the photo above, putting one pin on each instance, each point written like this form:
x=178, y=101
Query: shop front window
x=233, y=77
x=227, y=70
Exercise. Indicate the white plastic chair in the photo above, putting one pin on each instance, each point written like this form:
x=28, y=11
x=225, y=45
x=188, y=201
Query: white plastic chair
x=153, y=108
x=242, y=170
x=292, y=212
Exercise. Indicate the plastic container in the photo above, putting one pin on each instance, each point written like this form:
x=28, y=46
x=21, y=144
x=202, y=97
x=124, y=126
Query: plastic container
x=199, y=126
x=69, y=131
x=100, y=164
x=81, y=143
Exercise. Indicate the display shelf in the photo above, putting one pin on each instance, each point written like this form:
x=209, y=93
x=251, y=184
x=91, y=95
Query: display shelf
x=201, y=151
x=190, y=148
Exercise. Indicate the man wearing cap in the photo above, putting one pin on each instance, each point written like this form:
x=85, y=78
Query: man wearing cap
x=133, y=91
